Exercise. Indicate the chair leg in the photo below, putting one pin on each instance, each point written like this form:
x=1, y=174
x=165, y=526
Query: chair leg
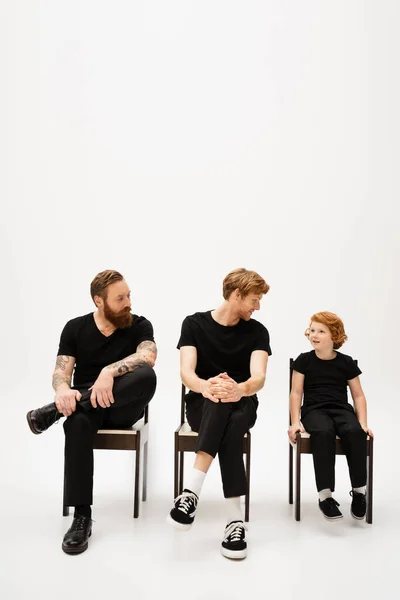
x=65, y=510
x=137, y=480
x=290, y=474
x=247, y=502
x=370, y=481
x=298, y=477
x=144, y=490
x=181, y=469
x=176, y=467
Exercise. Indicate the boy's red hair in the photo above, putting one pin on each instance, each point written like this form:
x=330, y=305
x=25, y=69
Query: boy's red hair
x=334, y=324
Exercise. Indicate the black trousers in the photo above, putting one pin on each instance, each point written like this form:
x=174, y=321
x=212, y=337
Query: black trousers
x=132, y=392
x=323, y=425
x=221, y=427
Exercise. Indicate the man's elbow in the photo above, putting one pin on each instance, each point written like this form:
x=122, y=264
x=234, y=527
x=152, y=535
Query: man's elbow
x=261, y=379
x=149, y=358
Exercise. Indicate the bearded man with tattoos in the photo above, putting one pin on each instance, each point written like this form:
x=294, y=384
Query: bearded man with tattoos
x=110, y=354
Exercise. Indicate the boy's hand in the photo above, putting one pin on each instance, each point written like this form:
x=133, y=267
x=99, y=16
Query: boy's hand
x=367, y=430
x=293, y=429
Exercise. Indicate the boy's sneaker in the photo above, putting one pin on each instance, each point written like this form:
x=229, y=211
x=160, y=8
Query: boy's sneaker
x=234, y=545
x=329, y=509
x=183, y=513
x=358, y=505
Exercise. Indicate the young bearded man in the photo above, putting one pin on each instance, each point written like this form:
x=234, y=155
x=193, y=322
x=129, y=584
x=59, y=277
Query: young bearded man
x=110, y=354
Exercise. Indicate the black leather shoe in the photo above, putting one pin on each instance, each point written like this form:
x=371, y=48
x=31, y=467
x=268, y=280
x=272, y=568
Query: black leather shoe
x=42, y=418
x=76, y=539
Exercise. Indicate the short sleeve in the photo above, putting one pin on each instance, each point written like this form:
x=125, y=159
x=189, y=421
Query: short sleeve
x=352, y=369
x=262, y=341
x=144, y=332
x=67, y=345
x=300, y=364
x=187, y=336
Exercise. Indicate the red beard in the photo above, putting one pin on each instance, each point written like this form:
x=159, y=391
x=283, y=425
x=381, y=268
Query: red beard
x=120, y=320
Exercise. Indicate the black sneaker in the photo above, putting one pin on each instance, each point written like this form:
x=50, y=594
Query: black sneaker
x=183, y=513
x=358, y=505
x=42, y=418
x=234, y=545
x=329, y=508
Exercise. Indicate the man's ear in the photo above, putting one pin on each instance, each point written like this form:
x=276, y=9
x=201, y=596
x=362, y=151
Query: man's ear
x=98, y=301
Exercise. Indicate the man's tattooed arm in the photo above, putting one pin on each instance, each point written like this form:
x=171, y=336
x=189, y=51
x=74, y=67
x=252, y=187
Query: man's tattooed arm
x=146, y=354
x=63, y=371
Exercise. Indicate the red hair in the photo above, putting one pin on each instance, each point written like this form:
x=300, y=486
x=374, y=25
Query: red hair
x=247, y=282
x=333, y=323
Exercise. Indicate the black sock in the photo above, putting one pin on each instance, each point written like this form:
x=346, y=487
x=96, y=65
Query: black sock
x=83, y=509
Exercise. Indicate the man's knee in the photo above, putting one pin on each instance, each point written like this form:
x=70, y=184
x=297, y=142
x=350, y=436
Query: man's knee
x=143, y=376
x=215, y=410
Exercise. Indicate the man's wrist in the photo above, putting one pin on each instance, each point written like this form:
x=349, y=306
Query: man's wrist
x=62, y=386
x=108, y=371
x=243, y=389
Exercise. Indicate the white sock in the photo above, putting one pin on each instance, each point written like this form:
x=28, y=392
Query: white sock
x=324, y=494
x=360, y=490
x=194, y=481
x=233, y=511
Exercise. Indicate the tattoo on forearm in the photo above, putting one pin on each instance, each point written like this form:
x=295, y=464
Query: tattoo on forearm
x=62, y=361
x=131, y=363
x=149, y=346
x=145, y=356
x=59, y=379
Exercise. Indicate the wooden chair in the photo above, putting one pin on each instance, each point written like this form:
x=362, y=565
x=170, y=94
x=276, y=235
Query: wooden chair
x=134, y=438
x=185, y=441
x=303, y=446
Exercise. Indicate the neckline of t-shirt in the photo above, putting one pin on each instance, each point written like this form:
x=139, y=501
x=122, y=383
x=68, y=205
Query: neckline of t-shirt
x=326, y=359
x=107, y=337
x=220, y=324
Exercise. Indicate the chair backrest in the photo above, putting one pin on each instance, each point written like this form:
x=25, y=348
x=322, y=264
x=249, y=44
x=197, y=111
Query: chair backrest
x=183, y=391
x=290, y=381
x=146, y=414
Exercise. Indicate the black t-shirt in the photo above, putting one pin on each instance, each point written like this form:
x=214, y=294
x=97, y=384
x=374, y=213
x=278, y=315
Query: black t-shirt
x=93, y=351
x=325, y=381
x=222, y=348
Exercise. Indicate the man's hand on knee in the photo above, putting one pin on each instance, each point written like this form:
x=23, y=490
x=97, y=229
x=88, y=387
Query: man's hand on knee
x=209, y=389
x=228, y=389
x=65, y=401
x=102, y=390
x=224, y=388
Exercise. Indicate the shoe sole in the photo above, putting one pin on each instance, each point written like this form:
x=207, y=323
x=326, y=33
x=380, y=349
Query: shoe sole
x=357, y=518
x=79, y=550
x=31, y=427
x=331, y=518
x=234, y=554
x=177, y=525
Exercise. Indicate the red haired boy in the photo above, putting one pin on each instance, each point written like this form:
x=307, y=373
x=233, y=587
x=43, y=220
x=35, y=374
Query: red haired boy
x=323, y=375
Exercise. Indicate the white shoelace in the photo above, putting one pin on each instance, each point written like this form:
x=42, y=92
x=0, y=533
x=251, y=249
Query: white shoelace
x=234, y=531
x=186, y=501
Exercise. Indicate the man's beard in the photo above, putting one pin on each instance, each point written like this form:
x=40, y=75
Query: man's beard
x=120, y=320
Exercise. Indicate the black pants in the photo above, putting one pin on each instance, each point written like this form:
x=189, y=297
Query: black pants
x=132, y=392
x=221, y=427
x=323, y=425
